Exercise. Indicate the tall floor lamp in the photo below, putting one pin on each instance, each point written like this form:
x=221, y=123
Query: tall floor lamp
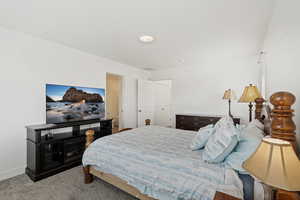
x=249, y=95
x=229, y=95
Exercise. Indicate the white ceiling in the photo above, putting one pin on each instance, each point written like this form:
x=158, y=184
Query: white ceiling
x=184, y=29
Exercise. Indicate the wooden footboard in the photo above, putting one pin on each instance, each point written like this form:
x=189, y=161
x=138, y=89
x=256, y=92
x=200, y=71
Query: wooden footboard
x=124, y=186
x=119, y=183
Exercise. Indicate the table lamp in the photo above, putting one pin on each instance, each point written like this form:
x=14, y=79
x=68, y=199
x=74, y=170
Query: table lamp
x=229, y=95
x=276, y=164
x=249, y=95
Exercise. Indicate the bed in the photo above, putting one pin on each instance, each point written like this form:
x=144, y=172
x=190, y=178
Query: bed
x=156, y=163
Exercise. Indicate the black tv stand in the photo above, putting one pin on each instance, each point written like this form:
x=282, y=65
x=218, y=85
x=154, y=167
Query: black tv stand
x=47, y=156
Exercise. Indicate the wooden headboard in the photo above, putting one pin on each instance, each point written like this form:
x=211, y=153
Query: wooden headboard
x=278, y=121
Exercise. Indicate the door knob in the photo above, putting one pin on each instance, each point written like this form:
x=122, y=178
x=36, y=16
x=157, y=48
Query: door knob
x=140, y=110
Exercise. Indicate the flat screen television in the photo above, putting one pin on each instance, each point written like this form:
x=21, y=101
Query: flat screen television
x=72, y=103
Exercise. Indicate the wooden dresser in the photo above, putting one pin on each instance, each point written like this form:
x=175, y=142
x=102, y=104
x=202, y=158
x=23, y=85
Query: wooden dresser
x=194, y=123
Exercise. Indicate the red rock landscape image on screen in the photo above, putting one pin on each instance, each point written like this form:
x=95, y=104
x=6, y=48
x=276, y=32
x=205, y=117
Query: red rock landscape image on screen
x=71, y=103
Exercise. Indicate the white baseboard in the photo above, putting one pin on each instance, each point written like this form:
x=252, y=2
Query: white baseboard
x=12, y=172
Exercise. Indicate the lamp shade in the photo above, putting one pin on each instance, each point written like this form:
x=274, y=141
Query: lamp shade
x=229, y=94
x=250, y=93
x=276, y=164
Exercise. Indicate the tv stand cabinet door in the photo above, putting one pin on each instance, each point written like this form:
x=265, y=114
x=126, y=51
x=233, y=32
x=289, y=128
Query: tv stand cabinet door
x=73, y=149
x=52, y=155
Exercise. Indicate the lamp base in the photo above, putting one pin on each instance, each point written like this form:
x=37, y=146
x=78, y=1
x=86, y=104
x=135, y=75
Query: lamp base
x=250, y=111
x=286, y=195
x=229, y=110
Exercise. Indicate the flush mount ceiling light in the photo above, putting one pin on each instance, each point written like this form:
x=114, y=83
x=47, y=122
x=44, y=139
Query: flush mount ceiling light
x=181, y=60
x=146, y=38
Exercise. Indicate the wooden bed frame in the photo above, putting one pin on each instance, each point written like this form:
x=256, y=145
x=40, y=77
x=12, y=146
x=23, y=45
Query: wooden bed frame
x=278, y=123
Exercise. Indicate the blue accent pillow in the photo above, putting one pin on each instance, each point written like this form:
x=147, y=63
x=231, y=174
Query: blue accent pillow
x=202, y=137
x=250, y=139
x=248, y=186
x=222, y=142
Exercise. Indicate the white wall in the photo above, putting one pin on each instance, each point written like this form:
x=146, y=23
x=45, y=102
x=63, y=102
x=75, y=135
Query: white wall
x=199, y=89
x=282, y=46
x=26, y=65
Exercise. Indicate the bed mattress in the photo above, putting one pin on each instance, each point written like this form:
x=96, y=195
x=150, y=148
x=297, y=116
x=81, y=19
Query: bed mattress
x=159, y=163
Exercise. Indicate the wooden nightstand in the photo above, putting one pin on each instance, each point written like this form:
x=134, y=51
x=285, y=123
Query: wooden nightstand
x=223, y=196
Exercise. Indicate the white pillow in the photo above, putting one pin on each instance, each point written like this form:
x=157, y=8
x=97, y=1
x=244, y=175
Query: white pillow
x=202, y=137
x=224, y=121
x=222, y=142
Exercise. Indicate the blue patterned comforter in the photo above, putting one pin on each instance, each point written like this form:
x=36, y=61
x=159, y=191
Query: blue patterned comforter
x=159, y=162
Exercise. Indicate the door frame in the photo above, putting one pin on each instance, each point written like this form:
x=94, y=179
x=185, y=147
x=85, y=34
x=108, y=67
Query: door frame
x=120, y=97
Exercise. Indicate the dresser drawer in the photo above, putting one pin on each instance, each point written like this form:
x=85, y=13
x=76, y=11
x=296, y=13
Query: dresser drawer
x=194, y=123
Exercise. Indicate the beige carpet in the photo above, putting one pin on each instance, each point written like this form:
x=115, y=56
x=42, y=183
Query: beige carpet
x=67, y=185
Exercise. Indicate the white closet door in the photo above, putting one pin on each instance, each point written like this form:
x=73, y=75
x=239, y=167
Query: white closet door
x=129, y=103
x=145, y=101
x=162, y=110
